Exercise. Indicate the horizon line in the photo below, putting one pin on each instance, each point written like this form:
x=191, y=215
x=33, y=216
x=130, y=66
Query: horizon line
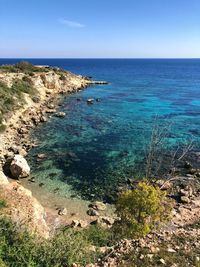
x=99, y=57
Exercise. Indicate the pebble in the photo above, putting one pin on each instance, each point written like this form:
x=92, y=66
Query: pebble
x=171, y=250
x=62, y=211
x=32, y=180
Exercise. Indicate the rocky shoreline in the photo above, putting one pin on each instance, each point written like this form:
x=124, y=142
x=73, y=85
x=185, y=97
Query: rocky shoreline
x=36, y=109
x=25, y=210
x=15, y=142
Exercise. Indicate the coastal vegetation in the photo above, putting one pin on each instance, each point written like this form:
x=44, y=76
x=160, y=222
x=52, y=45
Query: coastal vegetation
x=21, y=82
x=11, y=98
x=142, y=210
x=22, y=67
x=22, y=249
x=69, y=245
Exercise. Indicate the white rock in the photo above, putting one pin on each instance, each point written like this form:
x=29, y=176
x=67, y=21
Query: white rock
x=162, y=261
x=171, y=250
x=74, y=223
x=90, y=100
x=19, y=167
x=83, y=224
x=150, y=256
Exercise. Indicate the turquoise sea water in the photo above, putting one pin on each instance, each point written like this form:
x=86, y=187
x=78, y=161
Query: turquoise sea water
x=95, y=148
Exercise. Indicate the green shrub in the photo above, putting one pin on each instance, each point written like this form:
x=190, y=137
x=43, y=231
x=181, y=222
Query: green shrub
x=2, y=127
x=2, y=203
x=141, y=210
x=62, y=77
x=27, y=79
x=21, y=86
x=6, y=99
x=99, y=236
x=25, y=66
x=8, y=68
x=21, y=249
x=67, y=247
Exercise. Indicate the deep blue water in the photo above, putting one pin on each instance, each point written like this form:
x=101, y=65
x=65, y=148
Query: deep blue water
x=96, y=147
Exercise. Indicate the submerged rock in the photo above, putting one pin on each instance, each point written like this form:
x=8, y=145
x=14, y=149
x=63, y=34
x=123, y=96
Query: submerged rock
x=19, y=167
x=42, y=156
x=187, y=165
x=71, y=154
x=60, y=114
x=90, y=101
x=32, y=180
x=51, y=111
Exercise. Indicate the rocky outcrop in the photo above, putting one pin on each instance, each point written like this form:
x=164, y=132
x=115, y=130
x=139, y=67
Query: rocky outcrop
x=23, y=208
x=19, y=167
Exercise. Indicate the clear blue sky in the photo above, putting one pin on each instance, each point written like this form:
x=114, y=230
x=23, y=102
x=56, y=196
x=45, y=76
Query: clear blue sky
x=100, y=28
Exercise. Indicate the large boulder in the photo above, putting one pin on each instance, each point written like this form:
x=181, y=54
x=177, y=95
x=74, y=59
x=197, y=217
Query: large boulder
x=19, y=167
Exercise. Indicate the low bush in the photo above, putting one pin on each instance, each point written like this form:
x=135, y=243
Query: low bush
x=22, y=66
x=141, y=210
x=99, y=236
x=2, y=205
x=21, y=249
x=23, y=86
x=62, y=77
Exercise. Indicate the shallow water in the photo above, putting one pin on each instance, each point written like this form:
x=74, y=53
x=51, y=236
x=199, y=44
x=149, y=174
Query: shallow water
x=97, y=147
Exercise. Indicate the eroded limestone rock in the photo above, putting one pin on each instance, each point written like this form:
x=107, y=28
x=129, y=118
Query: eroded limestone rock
x=19, y=167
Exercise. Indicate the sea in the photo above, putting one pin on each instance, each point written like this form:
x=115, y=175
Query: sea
x=149, y=110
